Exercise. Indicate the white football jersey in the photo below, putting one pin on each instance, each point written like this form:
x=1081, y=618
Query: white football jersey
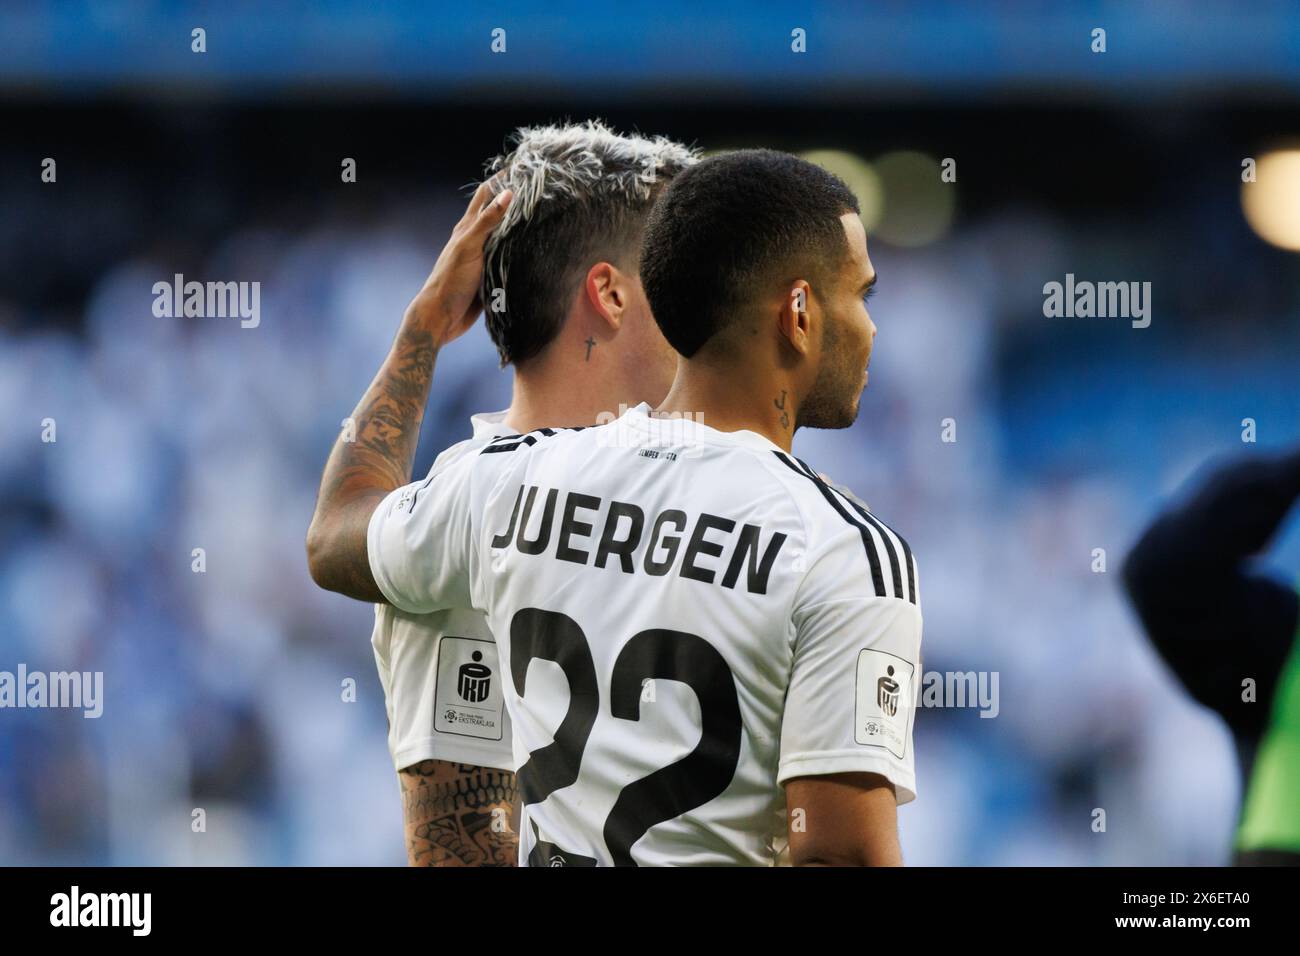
x=433, y=712
x=687, y=618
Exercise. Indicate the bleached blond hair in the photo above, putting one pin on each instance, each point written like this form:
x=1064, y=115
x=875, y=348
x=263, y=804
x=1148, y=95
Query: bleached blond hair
x=581, y=194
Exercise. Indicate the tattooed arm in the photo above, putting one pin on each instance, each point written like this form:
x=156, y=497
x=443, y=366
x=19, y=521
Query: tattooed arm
x=459, y=815
x=375, y=456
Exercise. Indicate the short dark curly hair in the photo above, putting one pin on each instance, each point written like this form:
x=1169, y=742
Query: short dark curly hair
x=733, y=223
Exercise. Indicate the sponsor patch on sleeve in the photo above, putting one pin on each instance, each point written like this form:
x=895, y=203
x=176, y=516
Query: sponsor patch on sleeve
x=886, y=696
x=468, y=699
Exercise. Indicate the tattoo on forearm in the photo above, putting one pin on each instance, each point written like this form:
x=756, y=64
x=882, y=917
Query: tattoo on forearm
x=362, y=471
x=388, y=418
x=459, y=815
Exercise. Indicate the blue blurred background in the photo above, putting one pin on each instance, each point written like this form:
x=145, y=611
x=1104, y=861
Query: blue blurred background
x=223, y=688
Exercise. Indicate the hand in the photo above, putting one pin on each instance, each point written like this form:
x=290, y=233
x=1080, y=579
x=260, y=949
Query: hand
x=449, y=303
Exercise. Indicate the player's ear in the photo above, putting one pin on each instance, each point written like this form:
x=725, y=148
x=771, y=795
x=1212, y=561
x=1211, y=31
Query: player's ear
x=607, y=294
x=793, y=321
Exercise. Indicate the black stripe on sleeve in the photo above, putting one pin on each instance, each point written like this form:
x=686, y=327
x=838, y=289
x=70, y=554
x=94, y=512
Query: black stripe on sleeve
x=907, y=551
x=908, y=560
x=895, y=568
x=877, y=576
x=411, y=510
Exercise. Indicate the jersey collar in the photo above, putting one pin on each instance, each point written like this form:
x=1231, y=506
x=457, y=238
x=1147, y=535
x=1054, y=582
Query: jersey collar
x=640, y=420
x=489, y=424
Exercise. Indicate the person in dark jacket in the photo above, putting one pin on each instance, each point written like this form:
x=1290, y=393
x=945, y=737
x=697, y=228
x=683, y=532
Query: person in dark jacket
x=1230, y=633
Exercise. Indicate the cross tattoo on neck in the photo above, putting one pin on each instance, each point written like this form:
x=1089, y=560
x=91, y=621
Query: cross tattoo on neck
x=590, y=343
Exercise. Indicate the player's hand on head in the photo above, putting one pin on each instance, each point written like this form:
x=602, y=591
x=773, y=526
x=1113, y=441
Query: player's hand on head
x=449, y=303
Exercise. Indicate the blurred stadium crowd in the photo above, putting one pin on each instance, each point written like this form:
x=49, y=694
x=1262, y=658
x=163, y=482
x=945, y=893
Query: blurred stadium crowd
x=225, y=688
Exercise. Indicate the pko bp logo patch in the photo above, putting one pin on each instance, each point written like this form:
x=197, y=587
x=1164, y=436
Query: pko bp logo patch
x=467, y=698
x=886, y=700
x=474, y=679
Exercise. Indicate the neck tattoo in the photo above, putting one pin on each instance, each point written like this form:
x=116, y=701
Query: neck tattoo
x=785, y=415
